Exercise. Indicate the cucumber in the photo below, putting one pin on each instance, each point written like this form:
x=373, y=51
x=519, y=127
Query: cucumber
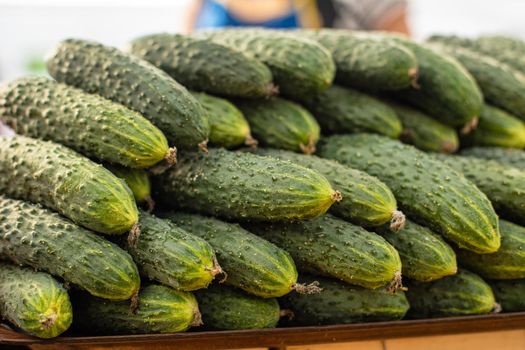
x=60, y=179
x=205, y=66
x=281, y=124
x=42, y=108
x=300, y=67
x=168, y=254
x=245, y=186
x=497, y=128
x=228, y=126
x=227, y=308
x=136, y=84
x=138, y=182
x=424, y=132
x=250, y=263
x=33, y=236
x=34, y=301
x=333, y=247
x=340, y=303
x=459, y=295
x=160, y=310
x=507, y=263
x=507, y=156
x=366, y=201
x=425, y=256
x=342, y=110
x=426, y=189
x=509, y=294
x=503, y=42
x=367, y=63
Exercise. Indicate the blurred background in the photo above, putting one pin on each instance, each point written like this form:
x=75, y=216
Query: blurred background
x=29, y=28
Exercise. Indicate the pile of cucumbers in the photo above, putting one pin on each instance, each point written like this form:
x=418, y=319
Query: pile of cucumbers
x=250, y=178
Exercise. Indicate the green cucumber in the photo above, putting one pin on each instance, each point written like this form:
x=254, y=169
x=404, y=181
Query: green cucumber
x=507, y=156
x=342, y=110
x=426, y=189
x=509, y=294
x=425, y=256
x=160, y=310
x=228, y=126
x=366, y=201
x=244, y=186
x=203, y=65
x=136, y=84
x=138, y=182
x=340, y=303
x=33, y=236
x=227, y=308
x=459, y=295
x=250, y=263
x=60, y=179
x=281, y=124
x=34, y=301
x=42, y=108
x=335, y=248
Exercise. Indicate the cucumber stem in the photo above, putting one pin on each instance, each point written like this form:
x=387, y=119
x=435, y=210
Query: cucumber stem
x=470, y=126
x=49, y=320
x=169, y=160
x=309, y=148
x=251, y=142
x=398, y=221
x=496, y=309
x=449, y=147
x=286, y=313
x=150, y=203
x=413, y=74
x=336, y=196
x=396, y=284
x=312, y=288
x=197, y=318
x=203, y=146
x=271, y=90
x=134, y=234
x=134, y=305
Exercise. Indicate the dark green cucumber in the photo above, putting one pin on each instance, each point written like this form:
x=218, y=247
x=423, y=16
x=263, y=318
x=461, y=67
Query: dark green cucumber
x=342, y=110
x=509, y=294
x=136, y=84
x=424, y=132
x=496, y=128
x=459, y=295
x=60, y=179
x=505, y=264
x=333, y=247
x=366, y=201
x=250, y=263
x=507, y=156
x=228, y=126
x=503, y=42
x=203, y=65
x=343, y=303
x=300, y=67
x=30, y=235
x=226, y=308
x=160, y=310
x=42, y=108
x=34, y=301
x=425, y=256
x=281, y=124
x=426, y=189
x=138, y=182
x=244, y=186
x=168, y=254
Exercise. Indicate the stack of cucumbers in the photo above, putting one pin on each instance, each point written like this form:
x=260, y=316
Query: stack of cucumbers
x=255, y=178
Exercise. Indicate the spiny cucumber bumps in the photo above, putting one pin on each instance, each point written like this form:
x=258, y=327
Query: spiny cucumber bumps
x=509, y=294
x=136, y=84
x=507, y=156
x=138, y=182
x=244, y=186
x=60, y=179
x=427, y=190
x=42, y=108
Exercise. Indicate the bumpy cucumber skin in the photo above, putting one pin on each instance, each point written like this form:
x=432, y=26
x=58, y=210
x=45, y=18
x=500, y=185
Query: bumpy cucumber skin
x=42, y=108
x=342, y=110
x=509, y=294
x=425, y=256
x=333, y=247
x=503, y=185
x=34, y=301
x=136, y=84
x=281, y=124
x=203, y=65
x=160, y=310
x=251, y=263
x=136, y=179
x=39, y=238
x=300, y=67
x=168, y=254
x=60, y=179
x=366, y=201
x=228, y=126
x=426, y=189
x=424, y=132
x=507, y=156
x=459, y=295
x=244, y=186
x=340, y=303
x=505, y=264
x=227, y=308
